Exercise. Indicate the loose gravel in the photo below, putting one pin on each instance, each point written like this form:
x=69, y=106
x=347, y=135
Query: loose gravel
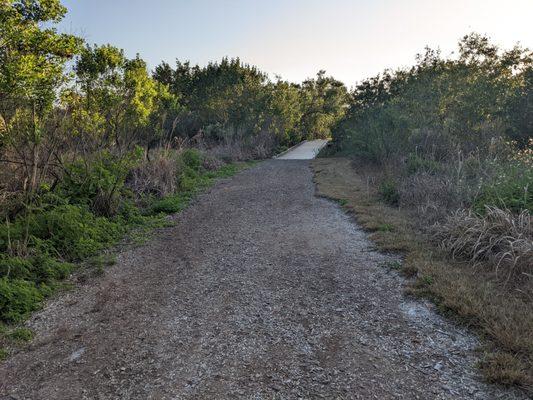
x=260, y=291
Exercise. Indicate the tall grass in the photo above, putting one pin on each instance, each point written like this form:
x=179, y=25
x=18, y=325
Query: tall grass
x=499, y=238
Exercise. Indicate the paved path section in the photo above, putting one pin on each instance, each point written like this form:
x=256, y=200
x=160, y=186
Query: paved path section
x=260, y=291
x=305, y=151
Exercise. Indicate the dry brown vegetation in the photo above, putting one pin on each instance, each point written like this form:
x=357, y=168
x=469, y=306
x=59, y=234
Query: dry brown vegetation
x=500, y=238
x=156, y=176
x=471, y=293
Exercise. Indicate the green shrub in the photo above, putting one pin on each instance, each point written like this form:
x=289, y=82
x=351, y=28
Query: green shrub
x=189, y=180
x=67, y=231
x=98, y=183
x=192, y=158
x=17, y=299
x=39, y=269
x=415, y=164
x=73, y=232
x=130, y=213
x=388, y=192
x=47, y=270
x=15, y=267
x=21, y=335
x=511, y=188
x=170, y=204
x=11, y=232
x=280, y=149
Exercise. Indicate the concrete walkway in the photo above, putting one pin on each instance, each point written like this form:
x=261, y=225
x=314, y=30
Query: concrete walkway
x=306, y=151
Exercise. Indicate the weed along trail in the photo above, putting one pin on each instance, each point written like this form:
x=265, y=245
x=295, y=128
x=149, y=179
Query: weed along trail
x=260, y=290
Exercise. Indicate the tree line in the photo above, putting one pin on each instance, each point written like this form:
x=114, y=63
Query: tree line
x=61, y=98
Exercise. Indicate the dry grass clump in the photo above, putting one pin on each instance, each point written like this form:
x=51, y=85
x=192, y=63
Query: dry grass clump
x=432, y=195
x=262, y=145
x=499, y=238
x=228, y=152
x=234, y=149
x=156, y=176
x=503, y=368
x=211, y=163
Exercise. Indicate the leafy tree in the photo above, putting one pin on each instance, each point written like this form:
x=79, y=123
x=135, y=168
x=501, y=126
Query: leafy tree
x=284, y=111
x=324, y=102
x=32, y=63
x=125, y=105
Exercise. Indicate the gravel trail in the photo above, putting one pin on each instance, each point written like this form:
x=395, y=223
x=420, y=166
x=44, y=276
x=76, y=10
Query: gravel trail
x=260, y=291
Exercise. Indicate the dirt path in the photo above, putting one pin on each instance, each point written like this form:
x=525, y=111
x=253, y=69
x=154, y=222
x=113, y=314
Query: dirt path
x=260, y=291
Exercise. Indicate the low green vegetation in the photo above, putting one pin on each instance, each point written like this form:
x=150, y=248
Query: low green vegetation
x=100, y=262
x=342, y=202
x=72, y=223
x=510, y=188
x=394, y=265
x=388, y=191
x=21, y=335
x=385, y=228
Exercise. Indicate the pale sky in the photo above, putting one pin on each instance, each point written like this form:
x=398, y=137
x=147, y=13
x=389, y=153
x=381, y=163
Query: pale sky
x=350, y=39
